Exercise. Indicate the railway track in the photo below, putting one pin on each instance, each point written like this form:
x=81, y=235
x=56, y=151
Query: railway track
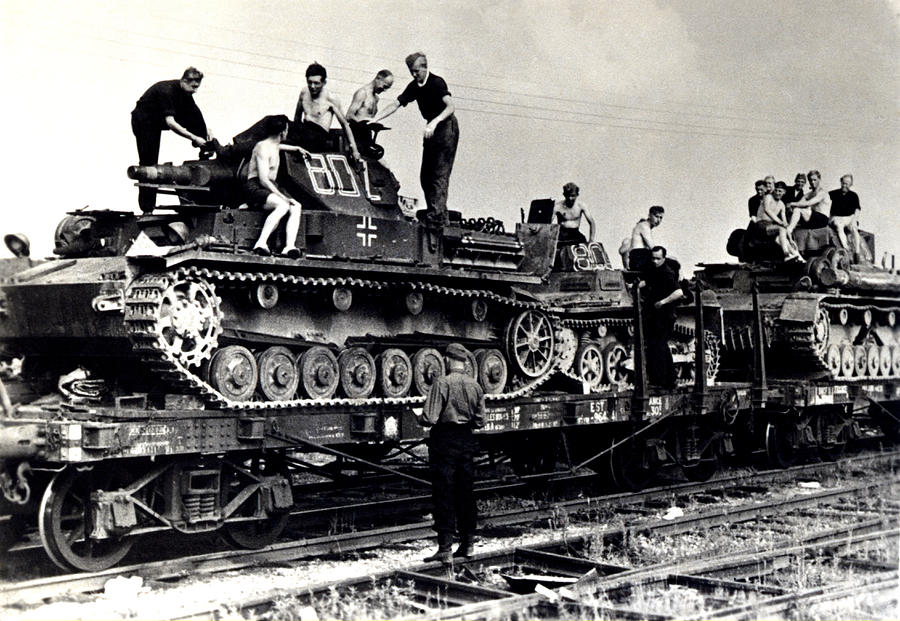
x=578, y=586
x=32, y=591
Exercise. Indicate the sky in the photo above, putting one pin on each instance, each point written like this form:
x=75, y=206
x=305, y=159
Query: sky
x=680, y=103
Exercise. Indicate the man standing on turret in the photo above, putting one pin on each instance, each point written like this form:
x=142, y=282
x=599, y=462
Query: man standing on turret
x=430, y=92
x=167, y=105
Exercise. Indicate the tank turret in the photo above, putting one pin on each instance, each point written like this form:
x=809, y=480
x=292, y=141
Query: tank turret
x=828, y=317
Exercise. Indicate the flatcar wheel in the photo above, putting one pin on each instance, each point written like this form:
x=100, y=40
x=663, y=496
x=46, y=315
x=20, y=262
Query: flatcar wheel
x=873, y=360
x=884, y=360
x=65, y=520
x=833, y=360
x=614, y=359
x=492, y=371
x=782, y=444
x=530, y=343
x=394, y=373
x=278, y=376
x=847, y=361
x=258, y=533
x=860, y=361
x=357, y=372
x=589, y=365
x=428, y=365
x=234, y=373
x=630, y=466
x=319, y=376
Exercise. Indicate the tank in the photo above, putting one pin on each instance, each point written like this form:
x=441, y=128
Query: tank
x=174, y=303
x=831, y=317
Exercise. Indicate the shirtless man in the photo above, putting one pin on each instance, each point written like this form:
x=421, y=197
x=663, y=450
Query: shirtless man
x=771, y=221
x=568, y=211
x=814, y=208
x=263, y=193
x=639, y=257
x=315, y=110
x=363, y=108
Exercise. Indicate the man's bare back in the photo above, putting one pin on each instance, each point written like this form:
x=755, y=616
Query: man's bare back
x=640, y=235
x=264, y=162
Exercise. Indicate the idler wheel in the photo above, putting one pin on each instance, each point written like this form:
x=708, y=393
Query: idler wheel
x=319, y=375
x=833, y=360
x=884, y=360
x=821, y=330
x=428, y=365
x=589, y=365
x=492, y=370
x=278, y=376
x=233, y=372
x=847, y=361
x=357, y=372
x=395, y=373
x=895, y=360
x=860, y=361
x=530, y=343
x=873, y=360
x=188, y=320
x=614, y=358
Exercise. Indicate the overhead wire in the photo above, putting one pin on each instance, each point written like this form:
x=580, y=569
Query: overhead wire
x=664, y=126
x=792, y=122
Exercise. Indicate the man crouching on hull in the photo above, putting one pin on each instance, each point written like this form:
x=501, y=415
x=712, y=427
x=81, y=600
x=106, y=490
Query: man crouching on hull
x=453, y=408
x=263, y=193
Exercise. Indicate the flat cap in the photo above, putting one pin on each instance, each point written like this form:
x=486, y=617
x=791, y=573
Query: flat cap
x=457, y=352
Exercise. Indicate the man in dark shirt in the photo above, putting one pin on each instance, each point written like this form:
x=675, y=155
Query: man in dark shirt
x=661, y=292
x=453, y=408
x=430, y=92
x=167, y=105
x=755, y=201
x=795, y=193
x=845, y=214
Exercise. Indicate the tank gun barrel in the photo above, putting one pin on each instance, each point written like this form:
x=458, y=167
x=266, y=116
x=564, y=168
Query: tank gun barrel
x=199, y=173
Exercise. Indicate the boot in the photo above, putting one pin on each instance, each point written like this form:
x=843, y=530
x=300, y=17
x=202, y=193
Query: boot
x=445, y=542
x=464, y=550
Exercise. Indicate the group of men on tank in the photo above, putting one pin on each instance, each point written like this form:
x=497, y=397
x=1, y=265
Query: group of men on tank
x=777, y=210
x=169, y=105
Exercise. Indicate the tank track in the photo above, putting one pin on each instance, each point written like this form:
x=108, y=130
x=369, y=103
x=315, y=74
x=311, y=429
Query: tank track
x=145, y=293
x=801, y=341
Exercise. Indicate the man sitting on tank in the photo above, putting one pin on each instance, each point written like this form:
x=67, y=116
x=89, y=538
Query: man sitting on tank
x=771, y=222
x=316, y=108
x=845, y=215
x=755, y=201
x=569, y=211
x=813, y=210
x=263, y=193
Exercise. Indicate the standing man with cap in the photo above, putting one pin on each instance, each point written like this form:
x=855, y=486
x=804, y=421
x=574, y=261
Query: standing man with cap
x=167, y=105
x=453, y=409
x=441, y=136
x=568, y=211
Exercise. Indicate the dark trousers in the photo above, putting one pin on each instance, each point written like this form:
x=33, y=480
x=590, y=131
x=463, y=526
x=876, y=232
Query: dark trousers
x=438, y=153
x=147, y=137
x=658, y=327
x=640, y=259
x=451, y=456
